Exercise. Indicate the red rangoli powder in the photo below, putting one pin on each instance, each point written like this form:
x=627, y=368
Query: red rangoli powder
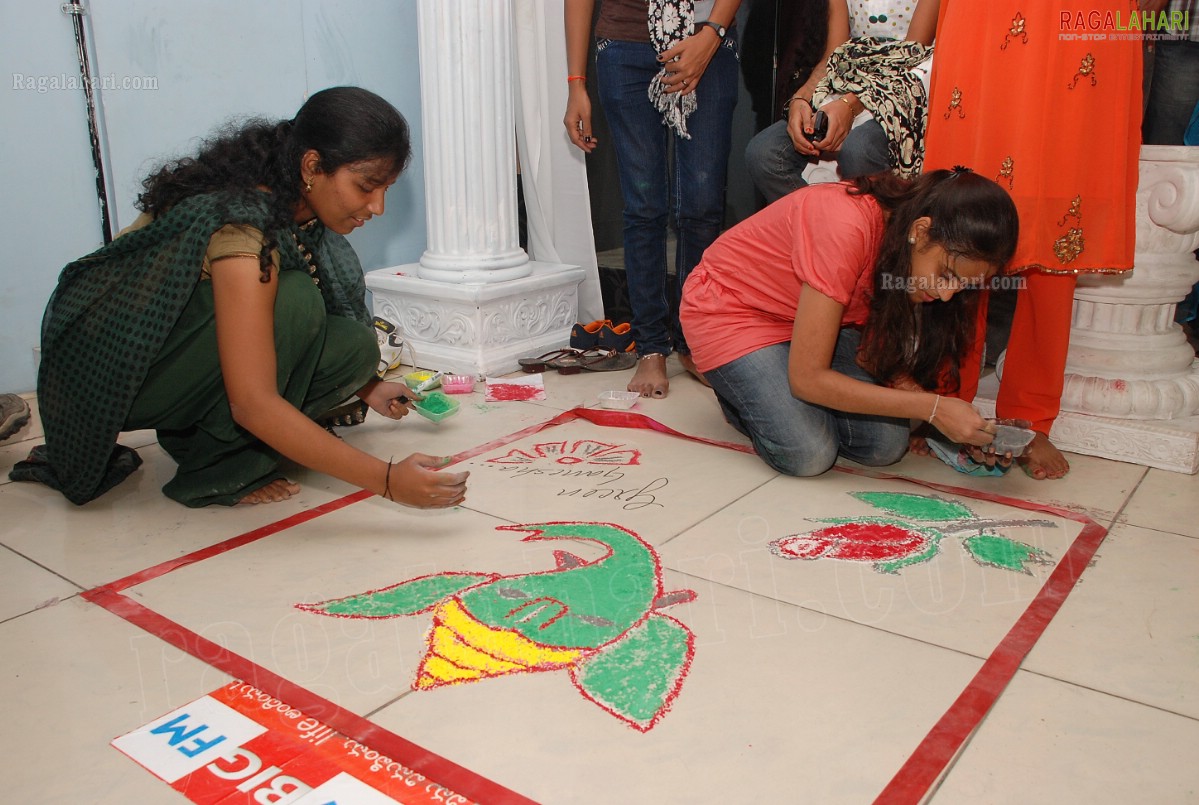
x=511, y=392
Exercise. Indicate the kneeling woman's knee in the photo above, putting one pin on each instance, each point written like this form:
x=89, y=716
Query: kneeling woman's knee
x=800, y=460
x=887, y=450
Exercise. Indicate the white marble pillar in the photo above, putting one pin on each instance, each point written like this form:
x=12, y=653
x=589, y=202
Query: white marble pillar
x=470, y=161
x=474, y=303
x=1132, y=380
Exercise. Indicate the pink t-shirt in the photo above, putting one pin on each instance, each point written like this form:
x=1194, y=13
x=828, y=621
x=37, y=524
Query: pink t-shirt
x=742, y=295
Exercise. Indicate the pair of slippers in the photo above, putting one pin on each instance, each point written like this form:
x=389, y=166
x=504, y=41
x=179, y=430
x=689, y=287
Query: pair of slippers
x=570, y=361
x=604, y=334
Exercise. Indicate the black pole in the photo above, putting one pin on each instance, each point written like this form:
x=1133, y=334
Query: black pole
x=76, y=10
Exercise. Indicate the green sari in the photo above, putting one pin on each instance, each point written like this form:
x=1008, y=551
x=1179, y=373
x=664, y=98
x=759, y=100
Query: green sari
x=113, y=311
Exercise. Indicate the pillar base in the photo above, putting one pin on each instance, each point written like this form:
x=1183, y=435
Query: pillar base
x=1166, y=444
x=479, y=329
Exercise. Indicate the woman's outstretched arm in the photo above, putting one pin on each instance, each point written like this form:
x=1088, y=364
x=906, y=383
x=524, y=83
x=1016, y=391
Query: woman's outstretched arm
x=244, y=312
x=812, y=378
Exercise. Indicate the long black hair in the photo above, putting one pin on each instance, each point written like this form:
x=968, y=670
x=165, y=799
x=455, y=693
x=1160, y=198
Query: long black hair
x=342, y=124
x=971, y=217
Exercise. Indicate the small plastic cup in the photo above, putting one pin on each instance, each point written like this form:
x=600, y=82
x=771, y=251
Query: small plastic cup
x=622, y=400
x=458, y=384
x=1011, y=436
x=414, y=379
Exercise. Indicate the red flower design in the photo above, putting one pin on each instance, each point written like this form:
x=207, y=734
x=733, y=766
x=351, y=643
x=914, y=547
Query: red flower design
x=855, y=542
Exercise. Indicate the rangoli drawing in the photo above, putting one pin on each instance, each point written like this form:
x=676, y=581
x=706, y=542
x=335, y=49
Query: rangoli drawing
x=895, y=542
x=598, y=620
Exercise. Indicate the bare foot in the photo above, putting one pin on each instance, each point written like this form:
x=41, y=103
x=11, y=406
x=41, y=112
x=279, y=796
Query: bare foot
x=275, y=491
x=1043, y=460
x=689, y=364
x=650, y=378
x=918, y=444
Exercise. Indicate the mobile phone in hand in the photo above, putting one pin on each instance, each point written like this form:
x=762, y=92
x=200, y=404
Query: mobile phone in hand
x=819, y=127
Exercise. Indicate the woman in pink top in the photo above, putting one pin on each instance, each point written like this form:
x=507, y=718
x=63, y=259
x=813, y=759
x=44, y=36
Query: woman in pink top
x=864, y=273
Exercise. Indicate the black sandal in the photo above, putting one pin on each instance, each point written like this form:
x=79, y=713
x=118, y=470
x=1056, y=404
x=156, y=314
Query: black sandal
x=567, y=361
x=612, y=361
x=345, y=415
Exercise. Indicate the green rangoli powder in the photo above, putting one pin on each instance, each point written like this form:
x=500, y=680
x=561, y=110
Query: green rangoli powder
x=436, y=404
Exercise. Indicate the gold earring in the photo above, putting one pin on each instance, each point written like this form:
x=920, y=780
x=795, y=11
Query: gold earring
x=910, y=240
x=308, y=189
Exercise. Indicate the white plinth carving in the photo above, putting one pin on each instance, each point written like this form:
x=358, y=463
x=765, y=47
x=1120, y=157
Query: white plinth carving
x=475, y=303
x=476, y=328
x=1128, y=359
x=1132, y=380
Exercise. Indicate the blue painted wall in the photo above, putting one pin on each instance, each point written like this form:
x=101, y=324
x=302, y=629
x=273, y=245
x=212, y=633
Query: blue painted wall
x=172, y=73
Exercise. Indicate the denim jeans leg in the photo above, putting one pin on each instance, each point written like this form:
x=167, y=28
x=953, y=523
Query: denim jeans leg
x=701, y=172
x=1173, y=93
x=624, y=71
x=792, y=436
x=795, y=437
x=773, y=164
x=875, y=441
x=865, y=151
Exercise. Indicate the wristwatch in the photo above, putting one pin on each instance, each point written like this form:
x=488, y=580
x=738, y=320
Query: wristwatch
x=720, y=30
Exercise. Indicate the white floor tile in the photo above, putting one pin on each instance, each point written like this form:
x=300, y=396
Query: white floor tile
x=129, y=528
x=80, y=678
x=949, y=599
x=655, y=484
x=360, y=664
x=1166, y=501
x=1047, y=742
x=28, y=587
x=809, y=714
x=1129, y=628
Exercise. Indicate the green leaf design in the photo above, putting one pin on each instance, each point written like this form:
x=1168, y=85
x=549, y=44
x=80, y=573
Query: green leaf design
x=992, y=550
x=405, y=598
x=916, y=507
x=637, y=676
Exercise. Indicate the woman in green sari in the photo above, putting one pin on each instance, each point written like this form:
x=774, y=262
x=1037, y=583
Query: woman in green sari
x=229, y=315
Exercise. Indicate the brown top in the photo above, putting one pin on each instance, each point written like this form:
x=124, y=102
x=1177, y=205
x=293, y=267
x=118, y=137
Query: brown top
x=231, y=240
x=628, y=20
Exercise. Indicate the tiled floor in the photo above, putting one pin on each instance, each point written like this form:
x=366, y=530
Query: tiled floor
x=804, y=681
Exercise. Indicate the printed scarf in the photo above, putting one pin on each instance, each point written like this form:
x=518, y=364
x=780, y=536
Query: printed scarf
x=670, y=22
x=879, y=73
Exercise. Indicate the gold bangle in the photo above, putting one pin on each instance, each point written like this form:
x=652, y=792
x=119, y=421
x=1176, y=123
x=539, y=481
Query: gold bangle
x=848, y=102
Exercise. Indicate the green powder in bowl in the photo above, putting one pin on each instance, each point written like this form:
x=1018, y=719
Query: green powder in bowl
x=436, y=406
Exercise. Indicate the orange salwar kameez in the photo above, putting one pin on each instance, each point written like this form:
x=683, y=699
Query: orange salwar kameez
x=1044, y=98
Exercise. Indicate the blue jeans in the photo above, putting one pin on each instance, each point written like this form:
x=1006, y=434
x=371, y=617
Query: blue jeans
x=795, y=437
x=691, y=196
x=776, y=168
x=1173, y=92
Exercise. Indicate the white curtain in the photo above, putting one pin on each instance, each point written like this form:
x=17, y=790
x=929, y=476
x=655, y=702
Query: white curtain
x=553, y=173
